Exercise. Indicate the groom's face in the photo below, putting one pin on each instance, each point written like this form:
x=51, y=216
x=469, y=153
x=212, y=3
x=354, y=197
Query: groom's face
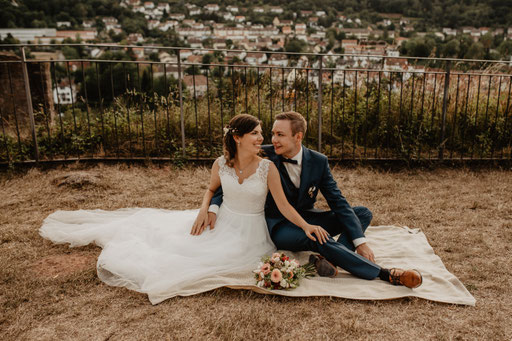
x=285, y=143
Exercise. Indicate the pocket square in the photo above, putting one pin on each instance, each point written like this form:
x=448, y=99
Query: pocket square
x=311, y=191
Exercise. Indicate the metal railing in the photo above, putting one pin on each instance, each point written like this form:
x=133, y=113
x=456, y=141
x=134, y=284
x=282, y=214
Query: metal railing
x=358, y=107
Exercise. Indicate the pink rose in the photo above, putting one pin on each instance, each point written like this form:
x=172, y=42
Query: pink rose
x=276, y=276
x=276, y=255
x=265, y=268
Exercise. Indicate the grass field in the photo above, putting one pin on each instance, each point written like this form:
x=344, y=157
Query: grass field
x=51, y=292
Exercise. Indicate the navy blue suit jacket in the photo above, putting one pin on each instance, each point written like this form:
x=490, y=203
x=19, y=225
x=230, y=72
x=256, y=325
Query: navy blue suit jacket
x=315, y=176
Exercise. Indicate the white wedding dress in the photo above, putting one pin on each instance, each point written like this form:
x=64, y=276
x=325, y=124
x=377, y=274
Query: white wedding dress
x=152, y=251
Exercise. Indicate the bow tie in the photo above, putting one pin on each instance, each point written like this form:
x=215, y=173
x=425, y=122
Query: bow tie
x=295, y=162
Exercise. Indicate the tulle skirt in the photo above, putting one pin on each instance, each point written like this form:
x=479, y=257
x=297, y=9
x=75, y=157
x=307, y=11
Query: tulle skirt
x=152, y=251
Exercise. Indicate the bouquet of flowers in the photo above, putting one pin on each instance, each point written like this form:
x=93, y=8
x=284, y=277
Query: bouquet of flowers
x=279, y=272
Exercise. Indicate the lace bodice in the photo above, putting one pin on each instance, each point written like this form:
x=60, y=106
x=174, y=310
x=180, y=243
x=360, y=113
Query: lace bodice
x=249, y=196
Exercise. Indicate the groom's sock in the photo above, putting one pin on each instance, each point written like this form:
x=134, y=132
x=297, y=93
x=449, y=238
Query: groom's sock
x=384, y=274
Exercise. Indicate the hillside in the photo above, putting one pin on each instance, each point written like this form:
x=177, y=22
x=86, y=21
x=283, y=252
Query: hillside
x=429, y=13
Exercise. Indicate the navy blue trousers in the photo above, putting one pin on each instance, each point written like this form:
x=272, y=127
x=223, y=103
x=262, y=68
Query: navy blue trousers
x=340, y=252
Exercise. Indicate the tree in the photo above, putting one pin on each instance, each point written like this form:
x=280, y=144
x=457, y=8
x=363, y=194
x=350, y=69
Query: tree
x=206, y=60
x=134, y=25
x=465, y=43
x=100, y=25
x=418, y=47
x=340, y=36
x=9, y=39
x=475, y=51
x=154, y=56
x=505, y=48
x=295, y=45
x=170, y=38
x=116, y=37
x=218, y=55
x=79, y=11
x=487, y=41
x=38, y=23
x=145, y=82
x=192, y=70
x=450, y=49
x=234, y=60
x=70, y=53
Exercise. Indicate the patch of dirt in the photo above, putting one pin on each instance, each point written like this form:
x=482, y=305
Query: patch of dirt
x=63, y=265
x=77, y=179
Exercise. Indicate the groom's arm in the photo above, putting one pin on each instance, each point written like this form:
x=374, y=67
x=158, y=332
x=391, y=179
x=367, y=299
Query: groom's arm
x=214, y=207
x=344, y=212
x=340, y=206
x=216, y=201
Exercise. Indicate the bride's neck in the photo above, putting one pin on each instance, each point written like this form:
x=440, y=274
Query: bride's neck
x=244, y=158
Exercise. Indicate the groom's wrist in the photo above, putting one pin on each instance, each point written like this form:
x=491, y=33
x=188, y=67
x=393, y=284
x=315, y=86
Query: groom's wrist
x=359, y=241
x=213, y=209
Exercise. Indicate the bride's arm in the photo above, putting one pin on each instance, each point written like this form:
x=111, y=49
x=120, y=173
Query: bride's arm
x=202, y=218
x=274, y=184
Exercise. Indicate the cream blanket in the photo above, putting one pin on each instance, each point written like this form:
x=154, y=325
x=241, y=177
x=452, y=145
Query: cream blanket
x=393, y=247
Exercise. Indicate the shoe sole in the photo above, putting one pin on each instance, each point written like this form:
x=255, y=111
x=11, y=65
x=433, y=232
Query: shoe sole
x=317, y=258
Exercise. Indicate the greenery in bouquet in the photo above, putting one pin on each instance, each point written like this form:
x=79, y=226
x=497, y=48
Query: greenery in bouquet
x=278, y=272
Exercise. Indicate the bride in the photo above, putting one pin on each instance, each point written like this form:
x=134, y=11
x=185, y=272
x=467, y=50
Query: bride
x=167, y=253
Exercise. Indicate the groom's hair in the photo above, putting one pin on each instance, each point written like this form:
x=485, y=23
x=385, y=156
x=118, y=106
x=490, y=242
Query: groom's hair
x=297, y=121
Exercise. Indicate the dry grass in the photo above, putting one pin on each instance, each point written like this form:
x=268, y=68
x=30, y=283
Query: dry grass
x=51, y=292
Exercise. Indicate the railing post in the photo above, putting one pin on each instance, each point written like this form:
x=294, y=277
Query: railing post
x=182, y=117
x=445, y=100
x=320, y=68
x=29, y=103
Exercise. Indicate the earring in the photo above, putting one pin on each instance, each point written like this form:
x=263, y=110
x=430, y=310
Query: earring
x=238, y=143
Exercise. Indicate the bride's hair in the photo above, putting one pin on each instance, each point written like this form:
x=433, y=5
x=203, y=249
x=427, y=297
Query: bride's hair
x=238, y=126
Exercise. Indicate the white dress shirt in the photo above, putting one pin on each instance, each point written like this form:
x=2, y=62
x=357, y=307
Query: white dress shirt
x=294, y=170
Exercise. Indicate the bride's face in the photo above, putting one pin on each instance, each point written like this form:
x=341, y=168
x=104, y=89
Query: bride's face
x=251, y=142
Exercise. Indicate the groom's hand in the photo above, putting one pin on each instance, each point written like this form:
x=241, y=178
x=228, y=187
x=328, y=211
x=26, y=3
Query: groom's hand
x=321, y=234
x=212, y=218
x=365, y=251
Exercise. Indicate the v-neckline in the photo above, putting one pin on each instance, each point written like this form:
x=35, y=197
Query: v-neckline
x=243, y=181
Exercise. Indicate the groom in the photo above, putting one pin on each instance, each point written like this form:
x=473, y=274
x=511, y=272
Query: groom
x=304, y=173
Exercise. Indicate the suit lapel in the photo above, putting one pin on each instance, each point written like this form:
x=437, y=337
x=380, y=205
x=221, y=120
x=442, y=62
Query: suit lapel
x=304, y=174
x=283, y=171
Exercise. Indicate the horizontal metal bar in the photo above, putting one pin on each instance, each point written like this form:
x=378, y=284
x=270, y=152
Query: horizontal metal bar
x=258, y=51
x=470, y=72
x=349, y=162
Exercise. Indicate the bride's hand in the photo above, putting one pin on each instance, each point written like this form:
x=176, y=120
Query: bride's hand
x=319, y=231
x=200, y=223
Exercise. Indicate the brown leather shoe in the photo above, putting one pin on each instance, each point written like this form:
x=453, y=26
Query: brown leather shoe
x=409, y=278
x=323, y=267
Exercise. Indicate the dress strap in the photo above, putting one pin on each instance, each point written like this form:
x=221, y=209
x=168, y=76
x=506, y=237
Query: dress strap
x=222, y=164
x=263, y=169
x=223, y=167
x=222, y=161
